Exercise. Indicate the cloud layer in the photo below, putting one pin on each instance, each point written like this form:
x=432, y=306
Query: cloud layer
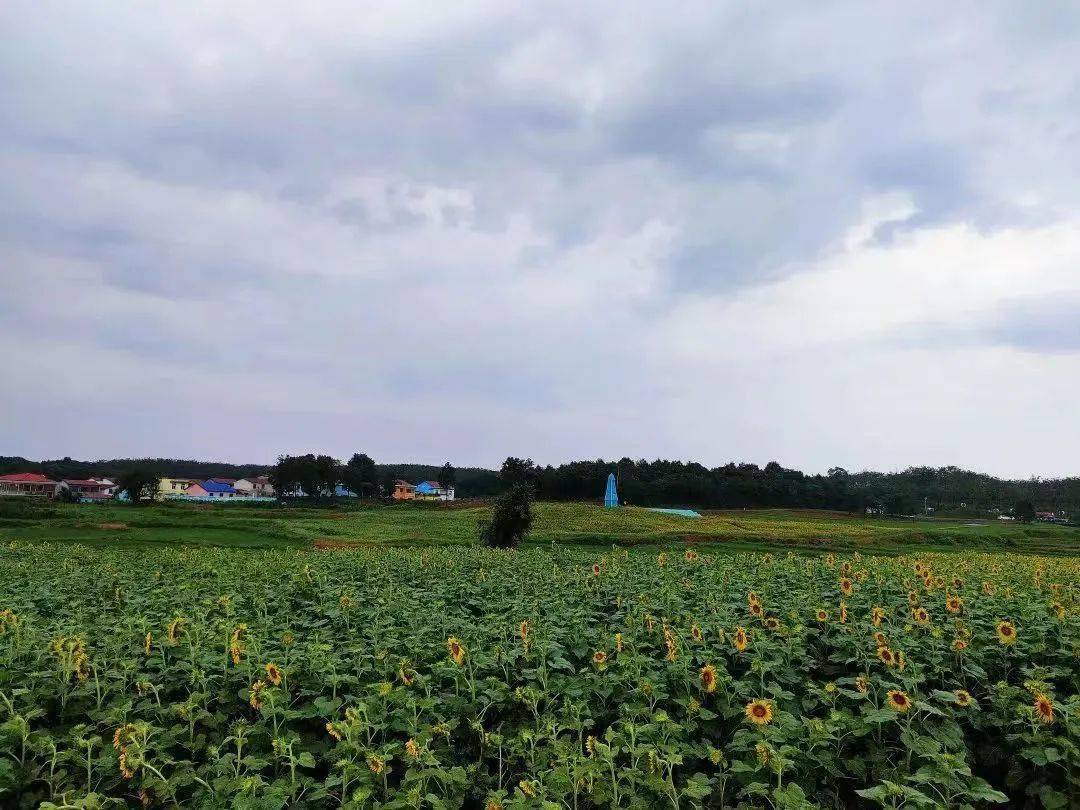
x=844, y=234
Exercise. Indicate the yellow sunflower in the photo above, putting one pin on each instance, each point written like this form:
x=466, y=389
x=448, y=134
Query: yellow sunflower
x=759, y=712
x=1006, y=633
x=1044, y=708
x=708, y=678
x=899, y=700
x=273, y=674
x=457, y=651
x=846, y=586
x=954, y=604
x=963, y=697
x=822, y=616
x=741, y=640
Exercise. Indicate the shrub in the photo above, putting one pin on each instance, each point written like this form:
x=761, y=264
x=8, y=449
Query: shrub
x=511, y=519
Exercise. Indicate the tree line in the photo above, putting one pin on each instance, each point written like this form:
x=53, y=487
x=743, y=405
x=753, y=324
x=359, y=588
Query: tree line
x=641, y=482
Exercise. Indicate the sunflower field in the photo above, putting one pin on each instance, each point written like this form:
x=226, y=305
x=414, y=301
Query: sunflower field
x=556, y=678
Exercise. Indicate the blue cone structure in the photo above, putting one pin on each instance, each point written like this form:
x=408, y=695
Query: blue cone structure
x=611, y=498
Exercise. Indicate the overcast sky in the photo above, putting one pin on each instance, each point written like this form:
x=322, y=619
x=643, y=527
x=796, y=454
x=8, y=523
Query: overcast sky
x=821, y=233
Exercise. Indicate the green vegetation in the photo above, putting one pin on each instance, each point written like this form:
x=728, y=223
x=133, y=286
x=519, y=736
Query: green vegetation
x=269, y=525
x=464, y=677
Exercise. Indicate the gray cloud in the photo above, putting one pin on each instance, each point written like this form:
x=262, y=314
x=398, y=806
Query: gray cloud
x=475, y=230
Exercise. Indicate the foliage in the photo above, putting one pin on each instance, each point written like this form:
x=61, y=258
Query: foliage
x=511, y=518
x=451, y=677
x=1024, y=511
x=447, y=475
x=359, y=474
x=310, y=476
x=140, y=484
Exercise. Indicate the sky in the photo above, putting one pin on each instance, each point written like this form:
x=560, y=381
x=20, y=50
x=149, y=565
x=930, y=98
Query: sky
x=822, y=234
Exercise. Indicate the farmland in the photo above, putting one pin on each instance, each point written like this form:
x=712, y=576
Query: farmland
x=376, y=657
x=563, y=523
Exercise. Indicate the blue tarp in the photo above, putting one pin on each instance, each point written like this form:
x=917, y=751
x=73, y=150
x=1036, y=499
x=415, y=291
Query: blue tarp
x=611, y=498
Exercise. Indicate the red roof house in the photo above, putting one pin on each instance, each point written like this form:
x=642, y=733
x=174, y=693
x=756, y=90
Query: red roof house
x=33, y=485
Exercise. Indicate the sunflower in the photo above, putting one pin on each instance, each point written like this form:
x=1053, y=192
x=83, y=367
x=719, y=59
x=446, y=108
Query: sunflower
x=886, y=656
x=412, y=749
x=493, y=804
x=920, y=615
x=708, y=678
x=691, y=555
x=753, y=598
x=1058, y=610
x=526, y=787
x=523, y=630
x=741, y=640
x=954, y=604
x=176, y=627
x=846, y=586
x=881, y=639
x=331, y=729
x=599, y=658
x=695, y=633
x=457, y=652
x=273, y=674
x=988, y=588
x=912, y=598
x=661, y=558
x=148, y=643
x=256, y=694
x=756, y=609
x=899, y=700
x=822, y=616
x=759, y=712
x=862, y=684
x=671, y=643
x=618, y=642
x=963, y=697
x=1006, y=633
x=959, y=645
x=957, y=583
x=876, y=615
x=376, y=763
x=843, y=612
x=596, y=569
x=1044, y=708
x=772, y=623
x=901, y=662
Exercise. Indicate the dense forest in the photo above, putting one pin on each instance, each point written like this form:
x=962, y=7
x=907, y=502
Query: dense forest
x=672, y=483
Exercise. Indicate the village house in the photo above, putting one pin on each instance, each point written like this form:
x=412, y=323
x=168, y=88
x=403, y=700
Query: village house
x=174, y=487
x=210, y=489
x=30, y=485
x=88, y=489
x=256, y=487
x=433, y=491
x=404, y=491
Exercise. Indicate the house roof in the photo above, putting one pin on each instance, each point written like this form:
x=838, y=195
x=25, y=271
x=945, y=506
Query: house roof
x=224, y=480
x=84, y=482
x=400, y=483
x=27, y=478
x=213, y=485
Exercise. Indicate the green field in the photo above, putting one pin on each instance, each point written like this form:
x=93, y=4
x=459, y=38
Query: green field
x=564, y=523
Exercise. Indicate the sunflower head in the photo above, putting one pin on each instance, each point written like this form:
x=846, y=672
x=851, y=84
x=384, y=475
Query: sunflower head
x=759, y=712
x=1044, y=709
x=862, y=684
x=708, y=678
x=954, y=604
x=1006, y=633
x=959, y=645
x=273, y=674
x=772, y=623
x=756, y=609
x=886, y=656
x=963, y=697
x=599, y=658
x=920, y=615
x=881, y=639
x=695, y=633
x=876, y=615
x=822, y=616
x=740, y=639
x=846, y=586
x=596, y=569
x=457, y=651
x=899, y=701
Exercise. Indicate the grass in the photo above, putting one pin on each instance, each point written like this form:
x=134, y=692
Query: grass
x=564, y=523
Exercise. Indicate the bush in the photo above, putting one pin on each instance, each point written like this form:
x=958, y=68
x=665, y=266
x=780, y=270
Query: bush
x=511, y=519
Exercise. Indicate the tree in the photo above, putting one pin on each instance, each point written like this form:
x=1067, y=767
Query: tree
x=1024, y=511
x=139, y=484
x=447, y=475
x=511, y=518
x=359, y=474
x=314, y=476
x=517, y=471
